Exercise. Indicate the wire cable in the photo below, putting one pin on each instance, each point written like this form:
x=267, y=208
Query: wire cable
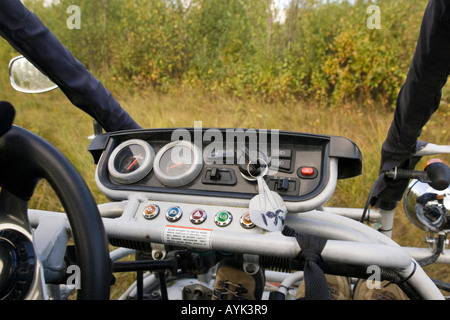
x=366, y=207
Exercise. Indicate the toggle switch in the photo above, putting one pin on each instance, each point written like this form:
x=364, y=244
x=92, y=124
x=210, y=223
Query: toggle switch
x=283, y=184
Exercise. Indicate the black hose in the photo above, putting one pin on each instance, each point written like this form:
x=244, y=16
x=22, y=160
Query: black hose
x=143, y=265
x=442, y=285
x=385, y=274
x=433, y=258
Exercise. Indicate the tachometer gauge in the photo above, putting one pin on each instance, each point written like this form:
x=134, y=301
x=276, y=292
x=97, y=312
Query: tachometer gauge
x=131, y=161
x=178, y=163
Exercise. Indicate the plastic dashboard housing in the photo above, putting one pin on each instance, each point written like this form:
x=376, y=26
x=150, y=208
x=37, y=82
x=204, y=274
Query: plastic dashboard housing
x=306, y=166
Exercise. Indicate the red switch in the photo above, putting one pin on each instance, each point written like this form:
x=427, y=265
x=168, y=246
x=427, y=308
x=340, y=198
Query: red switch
x=307, y=171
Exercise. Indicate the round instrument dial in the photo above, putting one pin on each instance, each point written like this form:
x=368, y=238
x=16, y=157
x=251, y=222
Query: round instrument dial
x=178, y=163
x=131, y=161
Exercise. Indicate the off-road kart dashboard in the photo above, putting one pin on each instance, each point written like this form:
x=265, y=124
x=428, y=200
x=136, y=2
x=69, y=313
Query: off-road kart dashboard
x=220, y=166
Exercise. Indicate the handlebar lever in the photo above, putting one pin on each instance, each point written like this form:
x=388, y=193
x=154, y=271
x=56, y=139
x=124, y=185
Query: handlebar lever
x=436, y=173
x=401, y=174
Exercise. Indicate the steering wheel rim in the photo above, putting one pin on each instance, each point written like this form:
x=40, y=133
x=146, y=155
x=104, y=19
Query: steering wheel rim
x=25, y=159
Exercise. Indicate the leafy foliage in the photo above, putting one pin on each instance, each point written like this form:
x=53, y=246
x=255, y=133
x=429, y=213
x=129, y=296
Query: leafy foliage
x=321, y=50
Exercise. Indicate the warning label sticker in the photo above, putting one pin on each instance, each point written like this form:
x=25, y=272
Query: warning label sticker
x=188, y=237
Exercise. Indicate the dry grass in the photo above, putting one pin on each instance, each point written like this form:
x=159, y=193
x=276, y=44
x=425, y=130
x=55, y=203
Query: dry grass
x=54, y=118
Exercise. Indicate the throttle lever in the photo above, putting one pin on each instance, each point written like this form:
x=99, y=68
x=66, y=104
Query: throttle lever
x=436, y=173
x=400, y=174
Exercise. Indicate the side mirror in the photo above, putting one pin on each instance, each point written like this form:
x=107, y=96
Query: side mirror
x=428, y=208
x=25, y=77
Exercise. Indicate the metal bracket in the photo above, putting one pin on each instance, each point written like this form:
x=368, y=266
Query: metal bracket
x=251, y=263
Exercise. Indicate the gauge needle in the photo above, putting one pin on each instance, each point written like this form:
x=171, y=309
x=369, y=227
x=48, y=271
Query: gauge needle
x=134, y=162
x=175, y=165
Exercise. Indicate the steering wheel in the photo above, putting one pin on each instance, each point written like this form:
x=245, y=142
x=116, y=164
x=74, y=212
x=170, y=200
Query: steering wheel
x=26, y=158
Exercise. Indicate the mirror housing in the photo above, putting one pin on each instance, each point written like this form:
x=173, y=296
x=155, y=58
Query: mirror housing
x=428, y=208
x=26, y=78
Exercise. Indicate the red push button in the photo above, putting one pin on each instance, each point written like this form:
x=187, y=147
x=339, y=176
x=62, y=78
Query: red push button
x=307, y=172
x=198, y=216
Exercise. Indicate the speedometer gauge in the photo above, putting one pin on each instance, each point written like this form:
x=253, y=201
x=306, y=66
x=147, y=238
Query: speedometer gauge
x=178, y=163
x=131, y=161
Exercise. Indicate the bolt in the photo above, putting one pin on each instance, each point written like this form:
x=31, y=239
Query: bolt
x=250, y=268
x=157, y=254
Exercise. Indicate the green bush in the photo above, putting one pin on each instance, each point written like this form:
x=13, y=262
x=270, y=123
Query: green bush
x=322, y=50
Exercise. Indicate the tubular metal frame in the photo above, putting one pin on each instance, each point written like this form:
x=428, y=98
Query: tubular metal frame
x=351, y=242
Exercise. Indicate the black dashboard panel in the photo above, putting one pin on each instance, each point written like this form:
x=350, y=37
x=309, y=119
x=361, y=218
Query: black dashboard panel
x=297, y=163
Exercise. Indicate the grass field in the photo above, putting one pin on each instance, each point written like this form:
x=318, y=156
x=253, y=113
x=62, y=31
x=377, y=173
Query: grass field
x=51, y=116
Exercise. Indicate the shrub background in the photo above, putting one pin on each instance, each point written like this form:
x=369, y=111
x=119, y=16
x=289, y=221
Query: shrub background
x=321, y=50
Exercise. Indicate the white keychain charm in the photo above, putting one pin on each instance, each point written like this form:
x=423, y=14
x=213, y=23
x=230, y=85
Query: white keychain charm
x=267, y=209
